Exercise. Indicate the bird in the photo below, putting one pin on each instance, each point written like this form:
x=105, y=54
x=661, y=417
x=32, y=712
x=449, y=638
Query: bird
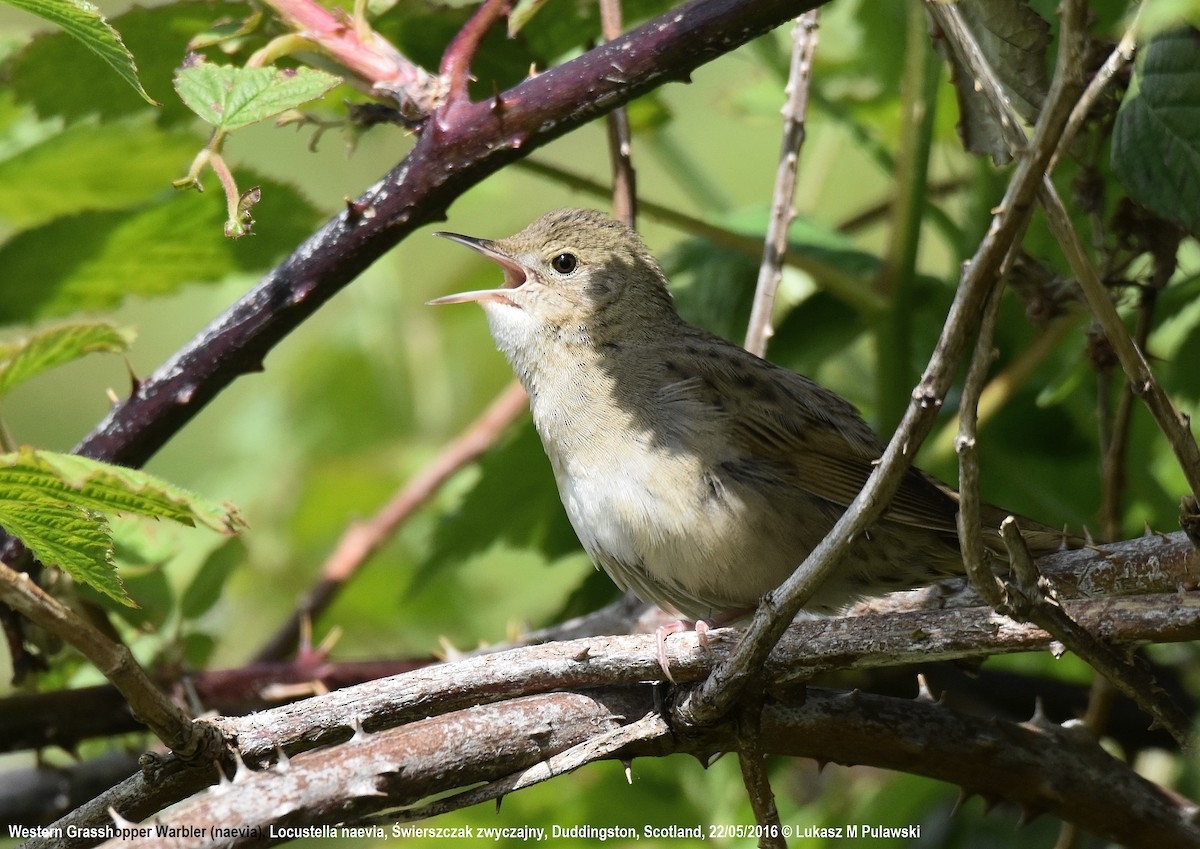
x=696, y=474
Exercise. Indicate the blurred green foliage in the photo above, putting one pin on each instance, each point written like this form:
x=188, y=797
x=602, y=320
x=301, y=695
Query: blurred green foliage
x=361, y=398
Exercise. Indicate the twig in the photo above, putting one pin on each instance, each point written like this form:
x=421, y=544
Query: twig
x=1028, y=602
x=364, y=52
x=970, y=529
x=456, y=61
x=192, y=741
x=361, y=540
x=753, y=765
x=1004, y=385
x=1175, y=425
x=1122, y=55
x=720, y=691
x=620, y=136
x=795, y=108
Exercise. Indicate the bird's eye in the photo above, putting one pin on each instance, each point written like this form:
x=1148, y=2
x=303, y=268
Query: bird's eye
x=565, y=263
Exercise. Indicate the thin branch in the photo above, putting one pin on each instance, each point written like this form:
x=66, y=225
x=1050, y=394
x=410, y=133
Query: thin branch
x=1121, y=56
x=1175, y=425
x=191, y=740
x=361, y=540
x=795, y=108
x=970, y=524
x=620, y=136
x=365, y=53
x=1029, y=603
x=715, y=697
x=1136, y=683
x=456, y=61
x=753, y=764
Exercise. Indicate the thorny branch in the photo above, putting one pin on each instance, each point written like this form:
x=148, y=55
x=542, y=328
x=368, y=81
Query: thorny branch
x=544, y=704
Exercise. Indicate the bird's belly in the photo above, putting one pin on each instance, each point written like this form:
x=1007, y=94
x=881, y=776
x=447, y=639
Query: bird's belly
x=660, y=529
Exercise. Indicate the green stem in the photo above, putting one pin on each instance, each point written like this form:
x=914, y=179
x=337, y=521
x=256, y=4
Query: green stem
x=895, y=375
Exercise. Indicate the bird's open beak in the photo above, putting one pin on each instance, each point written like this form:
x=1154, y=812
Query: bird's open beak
x=514, y=274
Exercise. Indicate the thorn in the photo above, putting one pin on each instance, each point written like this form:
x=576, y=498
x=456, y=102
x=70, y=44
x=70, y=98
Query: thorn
x=241, y=772
x=119, y=821
x=1039, y=718
x=359, y=210
x=924, y=694
x=282, y=762
x=1057, y=649
x=989, y=802
x=582, y=655
x=359, y=733
x=112, y=396
x=498, y=105
x=223, y=783
x=1027, y=816
x=1088, y=539
x=1147, y=531
x=449, y=653
x=628, y=771
x=499, y=799
x=964, y=796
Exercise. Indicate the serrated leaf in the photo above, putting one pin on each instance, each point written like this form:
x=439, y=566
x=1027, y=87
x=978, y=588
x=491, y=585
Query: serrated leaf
x=157, y=36
x=102, y=487
x=229, y=97
x=55, y=346
x=94, y=260
x=83, y=21
x=1156, y=139
x=92, y=166
x=1013, y=39
x=65, y=535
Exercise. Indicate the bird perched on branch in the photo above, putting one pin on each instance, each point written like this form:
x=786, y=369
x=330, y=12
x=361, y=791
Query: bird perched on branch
x=696, y=474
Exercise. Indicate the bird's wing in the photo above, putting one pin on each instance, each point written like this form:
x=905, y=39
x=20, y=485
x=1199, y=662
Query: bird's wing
x=778, y=416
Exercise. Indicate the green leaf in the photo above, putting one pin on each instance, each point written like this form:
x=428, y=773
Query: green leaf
x=206, y=587
x=91, y=485
x=92, y=166
x=1156, y=139
x=1013, y=39
x=94, y=260
x=66, y=535
x=159, y=38
x=516, y=483
x=83, y=21
x=229, y=97
x=522, y=12
x=54, y=346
